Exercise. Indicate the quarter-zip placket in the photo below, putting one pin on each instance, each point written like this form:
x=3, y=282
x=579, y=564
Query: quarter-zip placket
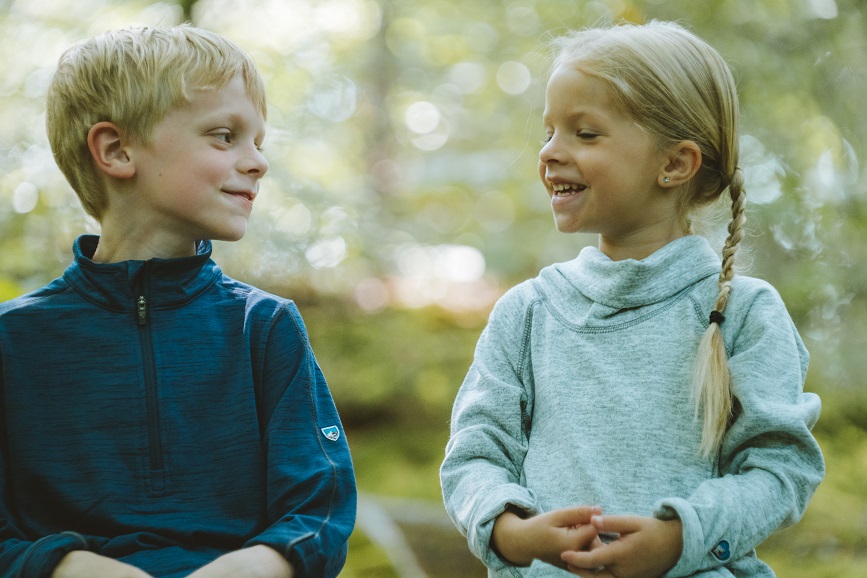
x=155, y=452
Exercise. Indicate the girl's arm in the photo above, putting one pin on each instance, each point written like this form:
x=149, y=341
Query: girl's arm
x=481, y=474
x=769, y=463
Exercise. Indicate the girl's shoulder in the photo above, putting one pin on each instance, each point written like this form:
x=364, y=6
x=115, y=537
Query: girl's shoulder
x=752, y=293
x=755, y=309
x=516, y=301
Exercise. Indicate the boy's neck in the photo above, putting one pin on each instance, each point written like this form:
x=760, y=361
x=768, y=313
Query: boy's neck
x=116, y=244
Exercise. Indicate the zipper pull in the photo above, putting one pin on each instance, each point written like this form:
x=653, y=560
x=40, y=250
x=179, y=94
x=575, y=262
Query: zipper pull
x=141, y=310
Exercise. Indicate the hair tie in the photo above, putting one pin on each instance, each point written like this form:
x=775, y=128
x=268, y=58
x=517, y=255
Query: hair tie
x=717, y=317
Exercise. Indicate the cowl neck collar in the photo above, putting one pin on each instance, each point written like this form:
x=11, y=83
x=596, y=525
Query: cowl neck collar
x=635, y=283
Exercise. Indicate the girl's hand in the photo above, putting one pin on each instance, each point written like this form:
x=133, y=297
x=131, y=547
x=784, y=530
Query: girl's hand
x=83, y=564
x=544, y=537
x=647, y=548
x=254, y=562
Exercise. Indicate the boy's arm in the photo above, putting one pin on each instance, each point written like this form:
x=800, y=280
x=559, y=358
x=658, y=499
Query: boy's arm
x=254, y=562
x=311, y=495
x=83, y=564
x=39, y=558
x=20, y=556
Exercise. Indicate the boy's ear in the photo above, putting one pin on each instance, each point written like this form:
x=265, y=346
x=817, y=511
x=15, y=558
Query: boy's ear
x=681, y=164
x=108, y=147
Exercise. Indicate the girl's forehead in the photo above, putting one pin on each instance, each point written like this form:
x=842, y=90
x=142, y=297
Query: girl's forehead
x=571, y=88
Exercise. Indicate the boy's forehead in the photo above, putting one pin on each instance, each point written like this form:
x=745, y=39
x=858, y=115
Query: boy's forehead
x=236, y=85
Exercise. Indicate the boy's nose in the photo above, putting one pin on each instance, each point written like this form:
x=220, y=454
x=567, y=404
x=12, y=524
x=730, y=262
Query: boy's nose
x=254, y=163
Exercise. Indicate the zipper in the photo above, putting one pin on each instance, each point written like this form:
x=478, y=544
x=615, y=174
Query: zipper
x=141, y=310
x=155, y=452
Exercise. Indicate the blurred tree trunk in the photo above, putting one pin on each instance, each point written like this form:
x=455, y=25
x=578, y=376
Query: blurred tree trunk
x=187, y=7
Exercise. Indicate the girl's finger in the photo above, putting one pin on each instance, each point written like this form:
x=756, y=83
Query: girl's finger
x=595, y=558
x=595, y=573
x=618, y=524
x=575, y=516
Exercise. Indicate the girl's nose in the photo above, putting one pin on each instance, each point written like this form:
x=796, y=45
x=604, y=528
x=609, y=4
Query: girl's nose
x=550, y=151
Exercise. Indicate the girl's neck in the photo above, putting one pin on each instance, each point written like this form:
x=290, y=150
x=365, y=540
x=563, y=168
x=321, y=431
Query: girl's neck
x=638, y=246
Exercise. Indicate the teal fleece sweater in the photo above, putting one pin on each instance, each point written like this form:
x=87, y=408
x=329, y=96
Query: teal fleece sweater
x=579, y=393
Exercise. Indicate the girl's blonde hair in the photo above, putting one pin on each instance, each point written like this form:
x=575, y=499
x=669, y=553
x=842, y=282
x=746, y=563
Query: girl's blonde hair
x=677, y=87
x=133, y=78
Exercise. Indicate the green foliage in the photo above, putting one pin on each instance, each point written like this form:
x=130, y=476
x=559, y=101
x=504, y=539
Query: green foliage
x=366, y=559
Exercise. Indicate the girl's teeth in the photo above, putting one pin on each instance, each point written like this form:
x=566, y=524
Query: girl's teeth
x=566, y=190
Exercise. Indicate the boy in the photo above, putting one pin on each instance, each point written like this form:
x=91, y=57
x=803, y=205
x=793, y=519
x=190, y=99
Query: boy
x=157, y=417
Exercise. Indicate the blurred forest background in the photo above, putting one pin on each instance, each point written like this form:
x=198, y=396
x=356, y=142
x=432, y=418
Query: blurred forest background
x=403, y=199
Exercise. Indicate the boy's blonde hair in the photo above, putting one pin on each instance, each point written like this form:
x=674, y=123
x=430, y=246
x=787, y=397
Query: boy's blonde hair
x=677, y=87
x=133, y=78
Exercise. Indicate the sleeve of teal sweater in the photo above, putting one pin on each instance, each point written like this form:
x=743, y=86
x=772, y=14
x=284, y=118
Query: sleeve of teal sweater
x=481, y=472
x=769, y=464
x=311, y=483
x=19, y=556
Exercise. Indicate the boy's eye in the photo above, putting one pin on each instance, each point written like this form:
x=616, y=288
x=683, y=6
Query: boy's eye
x=587, y=135
x=224, y=136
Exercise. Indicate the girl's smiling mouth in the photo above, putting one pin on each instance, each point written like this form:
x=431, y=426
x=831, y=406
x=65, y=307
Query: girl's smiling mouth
x=567, y=189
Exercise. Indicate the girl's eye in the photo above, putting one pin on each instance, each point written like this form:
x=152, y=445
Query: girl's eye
x=547, y=139
x=226, y=137
x=586, y=135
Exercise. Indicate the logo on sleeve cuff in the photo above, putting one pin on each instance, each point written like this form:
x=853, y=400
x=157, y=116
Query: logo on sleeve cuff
x=722, y=551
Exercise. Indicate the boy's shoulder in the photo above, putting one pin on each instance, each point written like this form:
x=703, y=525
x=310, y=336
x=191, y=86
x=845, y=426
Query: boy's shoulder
x=260, y=303
x=253, y=294
x=35, y=300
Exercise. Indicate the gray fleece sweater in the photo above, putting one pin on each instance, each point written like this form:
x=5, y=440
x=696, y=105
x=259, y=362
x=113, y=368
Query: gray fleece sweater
x=579, y=393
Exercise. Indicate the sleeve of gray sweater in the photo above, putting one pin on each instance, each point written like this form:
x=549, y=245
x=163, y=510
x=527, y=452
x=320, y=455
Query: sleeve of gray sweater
x=482, y=471
x=769, y=463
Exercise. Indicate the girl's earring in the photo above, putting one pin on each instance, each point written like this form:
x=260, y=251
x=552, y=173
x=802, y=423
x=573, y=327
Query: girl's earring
x=666, y=180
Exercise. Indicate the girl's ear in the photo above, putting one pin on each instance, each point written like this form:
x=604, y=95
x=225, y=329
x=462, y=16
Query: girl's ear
x=108, y=147
x=681, y=164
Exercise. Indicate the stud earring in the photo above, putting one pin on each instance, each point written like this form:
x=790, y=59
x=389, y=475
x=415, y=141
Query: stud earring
x=666, y=180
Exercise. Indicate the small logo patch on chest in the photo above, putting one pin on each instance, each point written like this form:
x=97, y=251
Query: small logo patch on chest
x=331, y=432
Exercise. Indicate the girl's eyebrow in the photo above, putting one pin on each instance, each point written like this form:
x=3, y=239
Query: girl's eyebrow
x=572, y=116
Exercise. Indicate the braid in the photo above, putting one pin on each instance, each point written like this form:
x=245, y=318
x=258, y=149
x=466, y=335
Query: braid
x=736, y=235
x=712, y=381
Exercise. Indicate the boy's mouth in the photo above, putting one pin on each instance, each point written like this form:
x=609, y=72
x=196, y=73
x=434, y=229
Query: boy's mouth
x=566, y=189
x=246, y=194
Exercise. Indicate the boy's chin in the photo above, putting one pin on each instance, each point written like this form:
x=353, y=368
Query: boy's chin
x=229, y=236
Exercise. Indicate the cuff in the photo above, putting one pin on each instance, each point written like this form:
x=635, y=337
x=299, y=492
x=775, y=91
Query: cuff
x=693, y=535
x=479, y=534
x=41, y=559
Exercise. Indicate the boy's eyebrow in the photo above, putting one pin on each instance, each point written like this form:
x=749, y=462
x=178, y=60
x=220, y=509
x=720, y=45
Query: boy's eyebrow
x=227, y=117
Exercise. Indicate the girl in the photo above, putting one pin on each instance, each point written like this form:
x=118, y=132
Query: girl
x=642, y=380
